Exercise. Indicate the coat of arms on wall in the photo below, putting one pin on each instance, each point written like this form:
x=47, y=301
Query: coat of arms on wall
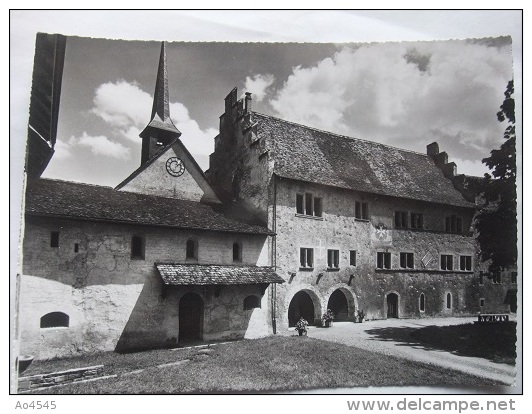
x=381, y=235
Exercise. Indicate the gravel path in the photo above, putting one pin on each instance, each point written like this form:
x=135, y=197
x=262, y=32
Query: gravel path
x=393, y=337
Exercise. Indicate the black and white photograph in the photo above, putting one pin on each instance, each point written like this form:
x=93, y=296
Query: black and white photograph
x=267, y=215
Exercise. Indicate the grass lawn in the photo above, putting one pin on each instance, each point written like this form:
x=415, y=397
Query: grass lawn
x=495, y=341
x=269, y=364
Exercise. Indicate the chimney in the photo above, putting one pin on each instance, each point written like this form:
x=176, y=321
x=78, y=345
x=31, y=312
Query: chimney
x=433, y=149
x=247, y=107
x=449, y=169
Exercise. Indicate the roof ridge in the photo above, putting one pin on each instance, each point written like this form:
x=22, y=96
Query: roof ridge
x=74, y=182
x=340, y=135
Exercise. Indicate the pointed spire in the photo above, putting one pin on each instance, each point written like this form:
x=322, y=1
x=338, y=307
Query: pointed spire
x=161, y=104
x=160, y=131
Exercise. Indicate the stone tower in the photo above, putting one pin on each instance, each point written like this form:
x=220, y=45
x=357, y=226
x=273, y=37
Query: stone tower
x=160, y=131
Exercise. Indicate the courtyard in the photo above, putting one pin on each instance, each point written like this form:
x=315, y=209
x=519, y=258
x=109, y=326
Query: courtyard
x=347, y=356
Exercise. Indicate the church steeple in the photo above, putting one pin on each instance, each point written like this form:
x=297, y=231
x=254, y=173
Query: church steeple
x=160, y=131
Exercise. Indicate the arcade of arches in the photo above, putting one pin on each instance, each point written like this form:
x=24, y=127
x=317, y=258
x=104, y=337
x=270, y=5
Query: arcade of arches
x=304, y=306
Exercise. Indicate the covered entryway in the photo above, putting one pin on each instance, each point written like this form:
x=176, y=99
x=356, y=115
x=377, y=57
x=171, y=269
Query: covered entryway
x=190, y=318
x=338, y=304
x=392, y=304
x=301, y=306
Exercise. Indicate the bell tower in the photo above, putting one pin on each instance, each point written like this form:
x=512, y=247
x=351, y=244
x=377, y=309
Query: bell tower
x=160, y=131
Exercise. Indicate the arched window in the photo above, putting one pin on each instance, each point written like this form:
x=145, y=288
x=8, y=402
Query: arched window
x=237, y=252
x=192, y=249
x=251, y=302
x=55, y=320
x=449, y=301
x=422, y=302
x=137, y=247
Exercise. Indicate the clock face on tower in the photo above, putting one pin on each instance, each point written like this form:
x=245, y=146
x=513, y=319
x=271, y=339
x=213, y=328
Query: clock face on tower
x=175, y=166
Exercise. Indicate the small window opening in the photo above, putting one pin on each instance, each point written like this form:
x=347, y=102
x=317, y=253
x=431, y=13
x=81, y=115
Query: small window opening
x=237, y=252
x=54, y=239
x=482, y=302
x=76, y=247
x=251, y=302
x=306, y=257
x=333, y=259
x=55, y=320
x=352, y=257
x=446, y=262
x=406, y=260
x=449, y=301
x=192, y=249
x=384, y=260
x=422, y=302
x=137, y=247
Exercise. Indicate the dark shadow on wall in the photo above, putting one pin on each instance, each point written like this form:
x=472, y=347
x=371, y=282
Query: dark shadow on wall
x=495, y=342
x=154, y=321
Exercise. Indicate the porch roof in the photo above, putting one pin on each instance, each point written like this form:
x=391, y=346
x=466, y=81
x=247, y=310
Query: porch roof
x=195, y=274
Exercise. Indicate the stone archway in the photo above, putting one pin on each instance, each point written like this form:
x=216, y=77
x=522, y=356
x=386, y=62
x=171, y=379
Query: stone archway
x=338, y=305
x=301, y=306
x=392, y=305
x=190, y=318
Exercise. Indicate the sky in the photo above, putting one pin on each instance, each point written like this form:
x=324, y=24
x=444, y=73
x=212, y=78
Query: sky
x=404, y=94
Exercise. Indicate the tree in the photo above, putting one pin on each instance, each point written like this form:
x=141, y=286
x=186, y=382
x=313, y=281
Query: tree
x=496, y=222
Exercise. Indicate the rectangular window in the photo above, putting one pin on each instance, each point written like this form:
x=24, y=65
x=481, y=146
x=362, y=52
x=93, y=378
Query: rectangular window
x=406, y=260
x=453, y=224
x=299, y=204
x=482, y=302
x=514, y=277
x=306, y=257
x=466, y=263
x=76, y=247
x=416, y=221
x=317, y=206
x=401, y=219
x=446, y=262
x=333, y=259
x=384, y=260
x=308, y=205
x=361, y=210
x=54, y=239
x=352, y=257
x=497, y=278
x=137, y=247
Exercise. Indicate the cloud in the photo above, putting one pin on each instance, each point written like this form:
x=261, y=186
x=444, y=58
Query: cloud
x=258, y=84
x=101, y=145
x=126, y=109
x=405, y=95
x=62, y=150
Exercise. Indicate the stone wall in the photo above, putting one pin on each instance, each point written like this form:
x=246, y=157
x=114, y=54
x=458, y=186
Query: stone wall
x=364, y=286
x=154, y=179
x=115, y=301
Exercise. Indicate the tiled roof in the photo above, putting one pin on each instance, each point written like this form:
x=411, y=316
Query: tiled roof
x=193, y=274
x=55, y=198
x=307, y=154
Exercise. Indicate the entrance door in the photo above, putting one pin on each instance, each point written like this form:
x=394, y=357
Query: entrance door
x=392, y=302
x=301, y=306
x=338, y=304
x=190, y=318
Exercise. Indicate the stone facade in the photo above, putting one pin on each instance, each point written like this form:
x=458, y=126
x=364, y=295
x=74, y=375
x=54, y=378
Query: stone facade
x=250, y=180
x=364, y=286
x=116, y=302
